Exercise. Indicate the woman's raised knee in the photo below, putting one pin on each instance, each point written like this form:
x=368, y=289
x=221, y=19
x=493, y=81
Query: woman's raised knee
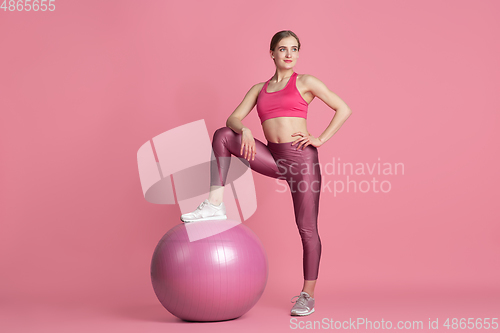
x=223, y=132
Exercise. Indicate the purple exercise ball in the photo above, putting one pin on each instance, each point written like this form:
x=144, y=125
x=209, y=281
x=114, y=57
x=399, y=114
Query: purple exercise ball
x=209, y=270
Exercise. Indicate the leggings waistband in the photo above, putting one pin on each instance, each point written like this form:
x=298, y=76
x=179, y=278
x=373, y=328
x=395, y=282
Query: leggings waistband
x=287, y=146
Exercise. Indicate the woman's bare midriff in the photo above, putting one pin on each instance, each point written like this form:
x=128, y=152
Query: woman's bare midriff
x=280, y=129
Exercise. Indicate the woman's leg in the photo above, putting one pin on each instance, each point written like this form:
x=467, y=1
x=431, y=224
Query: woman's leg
x=305, y=185
x=309, y=286
x=225, y=143
x=216, y=194
x=304, y=181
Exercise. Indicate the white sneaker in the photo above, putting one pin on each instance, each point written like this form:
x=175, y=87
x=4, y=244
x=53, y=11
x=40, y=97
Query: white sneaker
x=205, y=212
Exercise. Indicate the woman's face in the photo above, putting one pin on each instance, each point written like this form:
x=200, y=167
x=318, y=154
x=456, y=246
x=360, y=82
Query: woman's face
x=286, y=53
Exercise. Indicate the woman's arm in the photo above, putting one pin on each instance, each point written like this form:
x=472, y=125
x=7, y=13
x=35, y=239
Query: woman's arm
x=236, y=125
x=234, y=121
x=342, y=111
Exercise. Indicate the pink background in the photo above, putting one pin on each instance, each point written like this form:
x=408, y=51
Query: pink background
x=83, y=87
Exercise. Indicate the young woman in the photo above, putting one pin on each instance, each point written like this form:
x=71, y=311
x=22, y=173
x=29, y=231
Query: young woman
x=291, y=152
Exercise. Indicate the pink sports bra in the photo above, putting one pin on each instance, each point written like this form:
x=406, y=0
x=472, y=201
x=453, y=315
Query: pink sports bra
x=286, y=102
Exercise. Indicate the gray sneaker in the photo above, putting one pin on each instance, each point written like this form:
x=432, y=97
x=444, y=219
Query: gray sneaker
x=205, y=212
x=303, y=306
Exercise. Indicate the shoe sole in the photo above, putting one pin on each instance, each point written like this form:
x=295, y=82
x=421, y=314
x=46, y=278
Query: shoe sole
x=211, y=218
x=302, y=314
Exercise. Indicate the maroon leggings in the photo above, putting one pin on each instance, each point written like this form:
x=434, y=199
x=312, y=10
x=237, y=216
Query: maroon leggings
x=301, y=170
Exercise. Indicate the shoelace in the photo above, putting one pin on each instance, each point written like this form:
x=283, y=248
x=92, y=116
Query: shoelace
x=202, y=204
x=301, y=299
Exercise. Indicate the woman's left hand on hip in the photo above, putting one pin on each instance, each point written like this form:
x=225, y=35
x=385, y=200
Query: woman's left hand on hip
x=306, y=140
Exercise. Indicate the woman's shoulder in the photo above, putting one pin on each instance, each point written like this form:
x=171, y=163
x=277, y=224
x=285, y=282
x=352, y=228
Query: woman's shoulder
x=308, y=80
x=306, y=77
x=255, y=90
x=258, y=86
